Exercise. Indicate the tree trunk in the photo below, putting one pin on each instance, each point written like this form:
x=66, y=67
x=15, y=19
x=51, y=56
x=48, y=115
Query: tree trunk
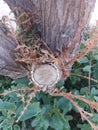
x=8, y=65
x=61, y=23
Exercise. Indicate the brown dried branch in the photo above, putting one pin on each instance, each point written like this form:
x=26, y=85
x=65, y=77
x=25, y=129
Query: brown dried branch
x=83, y=113
x=93, y=105
x=84, y=52
x=82, y=76
x=12, y=91
x=30, y=96
x=89, y=45
x=15, y=90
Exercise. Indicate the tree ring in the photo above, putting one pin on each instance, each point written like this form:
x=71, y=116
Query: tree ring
x=45, y=75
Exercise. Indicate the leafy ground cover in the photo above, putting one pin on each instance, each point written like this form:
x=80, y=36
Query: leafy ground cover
x=46, y=112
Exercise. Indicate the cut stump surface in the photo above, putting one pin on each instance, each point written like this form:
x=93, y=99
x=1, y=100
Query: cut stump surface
x=45, y=76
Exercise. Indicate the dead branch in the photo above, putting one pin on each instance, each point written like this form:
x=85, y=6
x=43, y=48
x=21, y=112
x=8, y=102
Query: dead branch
x=83, y=113
x=85, y=77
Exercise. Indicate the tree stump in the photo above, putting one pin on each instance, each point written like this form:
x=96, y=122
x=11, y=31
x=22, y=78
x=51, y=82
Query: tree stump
x=45, y=75
x=60, y=25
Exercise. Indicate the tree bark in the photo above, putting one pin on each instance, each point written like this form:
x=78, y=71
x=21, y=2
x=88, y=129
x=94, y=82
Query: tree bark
x=61, y=21
x=61, y=25
x=8, y=65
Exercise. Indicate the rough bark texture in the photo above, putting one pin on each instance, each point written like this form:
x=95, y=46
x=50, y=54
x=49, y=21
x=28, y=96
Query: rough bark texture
x=8, y=65
x=60, y=19
x=61, y=25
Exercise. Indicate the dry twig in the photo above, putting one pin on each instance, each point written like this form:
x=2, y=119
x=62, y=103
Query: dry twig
x=83, y=113
x=82, y=76
x=32, y=95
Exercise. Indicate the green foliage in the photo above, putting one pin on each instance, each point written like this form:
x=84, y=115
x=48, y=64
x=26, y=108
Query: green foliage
x=84, y=127
x=44, y=111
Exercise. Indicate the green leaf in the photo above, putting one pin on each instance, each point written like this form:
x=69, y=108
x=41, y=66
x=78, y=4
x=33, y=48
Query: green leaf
x=46, y=109
x=95, y=57
x=95, y=118
x=45, y=98
x=35, y=121
x=44, y=124
x=84, y=90
x=6, y=105
x=1, y=118
x=56, y=122
x=0, y=84
x=2, y=124
x=95, y=71
x=22, y=82
x=60, y=84
x=8, y=128
x=31, y=111
x=87, y=68
x=94, y=91
x=74, y=79
x=86, y=36
x=96, y=98
x=65, y=105
x=66, y=125
x=5, y=125
x=40, y=123
x=16, y=127
x=83, y=60
x=84, y=127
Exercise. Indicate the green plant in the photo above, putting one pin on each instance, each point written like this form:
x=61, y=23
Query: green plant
x=46, y=112
x=25, y=107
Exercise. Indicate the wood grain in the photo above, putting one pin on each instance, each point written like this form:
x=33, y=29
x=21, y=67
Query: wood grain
x=61, y=25
x=45, y=76
x=8, y=65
